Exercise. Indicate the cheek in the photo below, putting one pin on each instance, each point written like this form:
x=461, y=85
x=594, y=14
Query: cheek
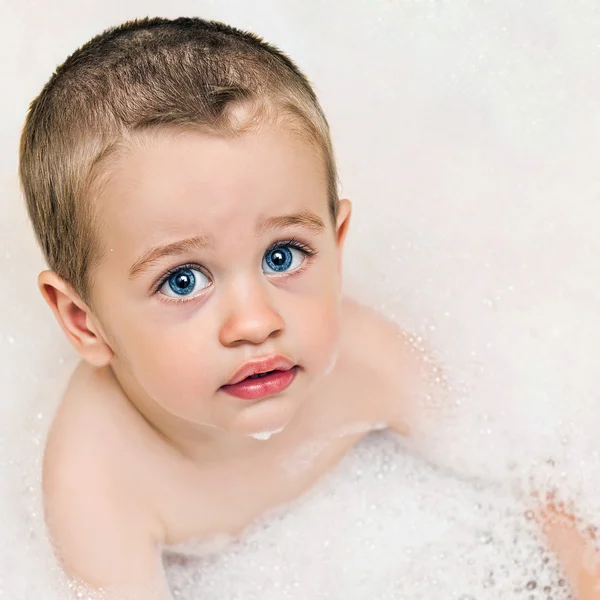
x=172, y=367
x=319, y=332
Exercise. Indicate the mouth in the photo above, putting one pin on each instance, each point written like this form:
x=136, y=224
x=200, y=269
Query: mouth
x=262, y=378
x=260, y=368
x=259, y=375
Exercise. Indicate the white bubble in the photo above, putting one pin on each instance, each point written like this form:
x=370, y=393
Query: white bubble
x=265, y=435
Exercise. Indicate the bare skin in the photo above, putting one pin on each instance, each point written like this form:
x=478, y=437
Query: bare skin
x=98, y=436
x=146, y=449
x=177, y=501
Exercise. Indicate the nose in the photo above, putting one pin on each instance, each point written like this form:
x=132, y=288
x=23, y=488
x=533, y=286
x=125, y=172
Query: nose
x=251, y=316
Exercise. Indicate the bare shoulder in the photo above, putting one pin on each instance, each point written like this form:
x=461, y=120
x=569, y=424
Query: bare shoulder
x=93, y=432
x=396, y=358
x=381, y=343
x=95, y=516
x=367, y=323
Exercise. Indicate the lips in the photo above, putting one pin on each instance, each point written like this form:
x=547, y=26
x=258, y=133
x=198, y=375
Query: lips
x=261, y=366
x=261, y=378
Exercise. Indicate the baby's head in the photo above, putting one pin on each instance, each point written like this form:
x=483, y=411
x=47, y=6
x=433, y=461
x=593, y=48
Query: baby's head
x=181, y=182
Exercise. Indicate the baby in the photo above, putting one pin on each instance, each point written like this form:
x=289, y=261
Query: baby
x=181, y=181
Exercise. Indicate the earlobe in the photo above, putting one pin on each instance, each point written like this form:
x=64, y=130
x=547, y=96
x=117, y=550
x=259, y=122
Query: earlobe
x=75, y=319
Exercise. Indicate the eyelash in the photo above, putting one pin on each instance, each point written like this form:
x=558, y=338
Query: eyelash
x=293, y=243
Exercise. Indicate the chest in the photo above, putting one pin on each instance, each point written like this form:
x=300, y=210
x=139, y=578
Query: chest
x=382, y=524
x=225, y=500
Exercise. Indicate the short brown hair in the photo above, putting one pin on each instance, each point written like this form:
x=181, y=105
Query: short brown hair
x=145, y=74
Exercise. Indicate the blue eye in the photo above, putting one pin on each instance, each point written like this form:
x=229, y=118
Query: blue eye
x=184, y=282
x=282, y=258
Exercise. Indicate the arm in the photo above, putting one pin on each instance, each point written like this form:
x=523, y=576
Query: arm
x=419, y=386
x=102, y=537
x=577, y=553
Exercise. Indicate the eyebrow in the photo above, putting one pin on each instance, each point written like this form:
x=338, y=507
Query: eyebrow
x=175, y=248
x=305, y=219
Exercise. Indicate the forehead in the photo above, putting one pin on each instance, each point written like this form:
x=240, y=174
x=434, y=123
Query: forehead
x=170, y=183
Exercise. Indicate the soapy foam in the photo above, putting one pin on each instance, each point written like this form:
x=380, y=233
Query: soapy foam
x=469, y=148
x=265, y=435
x=402, y=519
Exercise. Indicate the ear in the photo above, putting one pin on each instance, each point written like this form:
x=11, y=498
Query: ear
x=75, y=319
x=342, y=224
x=343, y=221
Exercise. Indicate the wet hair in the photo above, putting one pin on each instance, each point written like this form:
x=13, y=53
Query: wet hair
x=149, y=74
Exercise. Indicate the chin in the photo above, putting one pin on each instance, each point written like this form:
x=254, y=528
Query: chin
x=268, y=417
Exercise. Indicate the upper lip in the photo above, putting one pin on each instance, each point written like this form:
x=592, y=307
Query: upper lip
x=261, y=365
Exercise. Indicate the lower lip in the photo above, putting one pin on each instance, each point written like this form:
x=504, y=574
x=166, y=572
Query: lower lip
x=262, y=387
